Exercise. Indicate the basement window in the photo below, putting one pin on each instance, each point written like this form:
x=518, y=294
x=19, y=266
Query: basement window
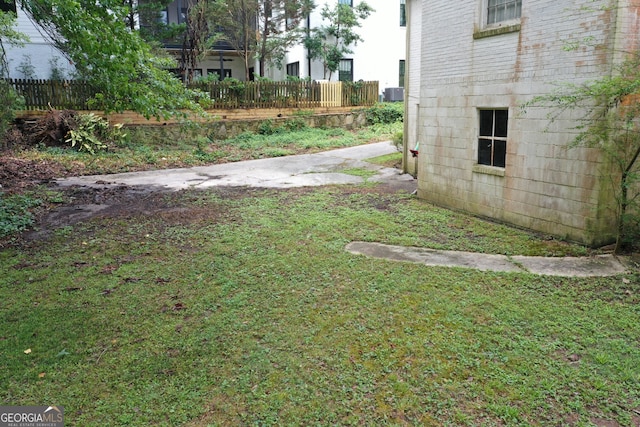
x=492, y=137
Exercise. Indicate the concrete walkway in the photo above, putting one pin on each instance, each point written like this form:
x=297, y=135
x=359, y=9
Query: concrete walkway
x=599, y=265
x=328, y=168
x=280, y=172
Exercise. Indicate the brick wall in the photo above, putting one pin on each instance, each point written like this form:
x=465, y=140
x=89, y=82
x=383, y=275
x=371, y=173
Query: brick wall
x=544, y=186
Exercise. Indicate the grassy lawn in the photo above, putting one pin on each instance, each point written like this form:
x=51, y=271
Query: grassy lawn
x=161, y=148
x=241, y=307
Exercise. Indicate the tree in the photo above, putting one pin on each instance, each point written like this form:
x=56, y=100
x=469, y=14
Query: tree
x=9, y=100
x=113, y=59
x=279, y=27
x=610, y=122
x=330, y=43
x=261, y=30
x=234, y=22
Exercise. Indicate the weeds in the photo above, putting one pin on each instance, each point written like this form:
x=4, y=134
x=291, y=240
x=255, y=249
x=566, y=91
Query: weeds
x=217, y=321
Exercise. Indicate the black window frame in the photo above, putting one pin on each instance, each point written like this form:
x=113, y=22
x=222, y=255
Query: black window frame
x=493, y=126
x=293, y=69
x=342, y=73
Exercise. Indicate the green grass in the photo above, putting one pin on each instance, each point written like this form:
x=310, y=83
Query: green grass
x=246, y=310
x=161, y=148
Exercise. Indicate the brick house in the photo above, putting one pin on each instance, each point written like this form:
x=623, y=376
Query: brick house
x=478, y=62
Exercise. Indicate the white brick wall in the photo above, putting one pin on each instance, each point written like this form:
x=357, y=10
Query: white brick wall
x=545, y=186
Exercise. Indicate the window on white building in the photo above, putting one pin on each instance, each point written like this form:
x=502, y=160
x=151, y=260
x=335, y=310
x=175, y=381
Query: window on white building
x=403, y=13
x=492, y=138
x=503, y=10
x=347, y=2
x=293, y=69
x=401, y=73
x=345, y=70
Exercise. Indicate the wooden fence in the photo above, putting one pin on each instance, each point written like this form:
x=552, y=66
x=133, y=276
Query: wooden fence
x=74, y=95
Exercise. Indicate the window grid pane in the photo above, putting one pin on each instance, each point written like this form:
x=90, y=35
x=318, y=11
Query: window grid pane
x=503, y=10
x=492, y=137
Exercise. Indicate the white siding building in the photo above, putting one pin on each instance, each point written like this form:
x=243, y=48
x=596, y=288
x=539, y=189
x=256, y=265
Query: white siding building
x=380, y=57
x=38, y=52
x=480, y=60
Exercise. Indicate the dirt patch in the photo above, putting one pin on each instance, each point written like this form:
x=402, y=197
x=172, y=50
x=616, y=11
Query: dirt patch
x=19, y=174
x=82, y=204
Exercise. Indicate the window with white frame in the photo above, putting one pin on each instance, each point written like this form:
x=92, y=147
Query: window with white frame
x=403, y=13
x=347, y=2
x=503, y=10
x=492, y=137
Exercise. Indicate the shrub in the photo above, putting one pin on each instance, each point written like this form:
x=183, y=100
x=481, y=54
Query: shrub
x=385, y=113
x=10, y=102
x=14, y=213
x=92, y=133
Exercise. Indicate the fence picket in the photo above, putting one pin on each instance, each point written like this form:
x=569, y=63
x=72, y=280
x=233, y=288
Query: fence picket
x=75, y=94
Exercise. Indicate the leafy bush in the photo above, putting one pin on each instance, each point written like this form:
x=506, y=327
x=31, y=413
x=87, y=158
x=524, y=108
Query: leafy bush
x=268, y=127
x=386, y=113
x=10, y=102
x=92, y=133
x=14, y=213
x=398, y=140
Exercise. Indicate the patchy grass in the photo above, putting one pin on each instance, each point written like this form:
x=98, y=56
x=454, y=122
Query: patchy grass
x=170, y=148
x=242, y=308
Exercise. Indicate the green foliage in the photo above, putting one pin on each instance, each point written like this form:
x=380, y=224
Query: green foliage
x=608, y=120
x=268, y=127
x=9, y=99
x=121, y=67
x=92, y=133
x=14, y=213
x=385, y=112
x=26, y=68
x=57, y=73
x=10, y=102
x=398, y=140
x=208, y=317
x=331, y=42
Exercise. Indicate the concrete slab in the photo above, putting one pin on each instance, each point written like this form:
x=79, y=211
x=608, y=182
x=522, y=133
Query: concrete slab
x=432, y=257
x=600, y=265
x=281, y=172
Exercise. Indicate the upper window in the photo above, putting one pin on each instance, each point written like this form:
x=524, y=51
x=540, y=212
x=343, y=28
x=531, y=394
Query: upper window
x=345, y=70
x=503, y=10
x=492, y=138
x=401, y=73
x=403, y=13
x=347, y=2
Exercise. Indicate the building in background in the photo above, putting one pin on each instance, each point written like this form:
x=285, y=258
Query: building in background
x=37, y=59
x=380, y=57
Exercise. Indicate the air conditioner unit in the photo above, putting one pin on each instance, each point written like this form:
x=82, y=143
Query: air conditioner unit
x=393, y=94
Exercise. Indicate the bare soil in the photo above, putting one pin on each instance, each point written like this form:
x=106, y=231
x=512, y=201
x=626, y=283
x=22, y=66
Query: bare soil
x=84, y=203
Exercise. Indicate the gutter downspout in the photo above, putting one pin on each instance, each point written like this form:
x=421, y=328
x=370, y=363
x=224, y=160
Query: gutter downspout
x=308, y=52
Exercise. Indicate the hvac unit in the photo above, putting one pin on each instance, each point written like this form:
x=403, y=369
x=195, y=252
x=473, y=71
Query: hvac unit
x=393, y=94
